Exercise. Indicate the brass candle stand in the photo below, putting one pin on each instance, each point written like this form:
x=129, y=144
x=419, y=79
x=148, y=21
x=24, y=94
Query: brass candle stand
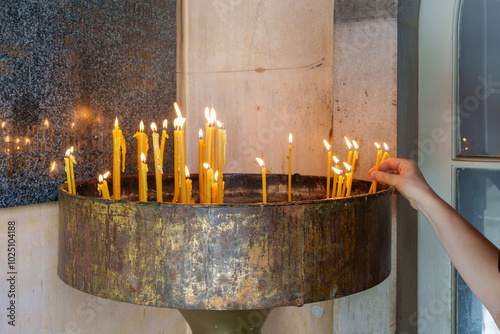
x=224, y=267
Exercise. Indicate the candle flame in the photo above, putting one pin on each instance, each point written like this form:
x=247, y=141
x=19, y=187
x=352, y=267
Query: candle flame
x=186, y=169
x=73, y=125
x=355, y=145
x=200, y=134
x=100, y=179
x=206, y=166
x=337, y=171
x=6, y=138
x=290, y=139
x=153, y=127
x=141, y=126
x=216, y=176
x=18, y=140
x=261, y=162
x=116, y=121
x=219, y=124
x=165, y=124
x=213, y=116
x=327, y=145
x=72, y=149
x=177, y=110
x=179, y=123
x=386, y=147
x=3, y=124
x=27, y=141
x=68, y=152
x=53, y=166
x=143, y=158
x=207, y=114
x=106, y=174
x=348, y=143
x=336, y=159
x=377, y=145
x=347, y=166
x=46, y=123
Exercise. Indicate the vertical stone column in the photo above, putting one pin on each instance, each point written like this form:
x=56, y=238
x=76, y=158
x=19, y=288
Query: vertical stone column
x=267, y=69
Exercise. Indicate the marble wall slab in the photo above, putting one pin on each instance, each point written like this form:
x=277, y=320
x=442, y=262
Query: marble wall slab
x=67, y=69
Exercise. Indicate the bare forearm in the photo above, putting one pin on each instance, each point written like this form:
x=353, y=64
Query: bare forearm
x=474, y=256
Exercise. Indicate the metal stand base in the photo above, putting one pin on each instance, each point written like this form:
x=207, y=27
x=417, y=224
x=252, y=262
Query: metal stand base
x=226, y=322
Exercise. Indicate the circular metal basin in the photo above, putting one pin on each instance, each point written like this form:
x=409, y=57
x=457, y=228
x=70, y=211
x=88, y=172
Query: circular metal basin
x=241, y=255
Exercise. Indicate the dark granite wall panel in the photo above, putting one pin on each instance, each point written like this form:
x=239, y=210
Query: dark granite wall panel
x=67, y=68
x=360, y=10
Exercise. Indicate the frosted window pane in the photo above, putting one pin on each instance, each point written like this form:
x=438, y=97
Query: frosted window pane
x=479, y=79
x=478, y=202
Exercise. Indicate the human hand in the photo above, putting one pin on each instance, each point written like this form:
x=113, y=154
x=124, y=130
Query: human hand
x=406, y=177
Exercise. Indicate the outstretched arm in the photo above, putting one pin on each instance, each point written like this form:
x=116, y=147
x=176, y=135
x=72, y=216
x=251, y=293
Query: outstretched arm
x=474, y=256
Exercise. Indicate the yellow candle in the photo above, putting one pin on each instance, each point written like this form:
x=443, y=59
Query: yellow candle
x=213, y=136
x=215, y=188
x=386, y=153
x=207, y=125
x=118, y=145
x=264, y=195
x=201, y=185
x=164, y=136
x=158, y=163
x=72, y=162
x=290, y=139
x=349, y=157
x=373, y=187
x=355, y=157
x=220, y=162
x=142, y=144
x=348, y=179
x=143, y=180
x=335, y=176
x=189, y=187
x=208, y=144
x=182, y=164
x=208, y=184
x=176, y=160
x=328, y=168
x=102, y=187
x=68, y=173
x=340, y=182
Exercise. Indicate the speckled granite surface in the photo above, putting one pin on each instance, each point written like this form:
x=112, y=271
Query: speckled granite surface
x=67, y=68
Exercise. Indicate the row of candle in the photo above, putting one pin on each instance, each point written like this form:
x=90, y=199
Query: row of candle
x=211, y=185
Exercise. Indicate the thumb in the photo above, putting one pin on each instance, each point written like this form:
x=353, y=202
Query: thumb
x=385, y=178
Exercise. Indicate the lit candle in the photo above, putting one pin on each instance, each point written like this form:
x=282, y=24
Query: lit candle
x=264, y=195
x=176, y=160
x=201, y=183
x=207, y=134
x=373, y=187
x=328, y=170
x=348, y=179
x=340, y=181
x=355, y=157
x=118, y=145
x=213, y=135
x=386, y=153
x=290, y=139
x=220, y=162
x=349, y=157
x=335, y=176
x=158, y=163
x=68, y=173
x=142, y=144
x=143, y=180
x=215, y=188
x=72, y=162
x=208, y=183
x=164, y=136
x=102, y=187
x=189, y=186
